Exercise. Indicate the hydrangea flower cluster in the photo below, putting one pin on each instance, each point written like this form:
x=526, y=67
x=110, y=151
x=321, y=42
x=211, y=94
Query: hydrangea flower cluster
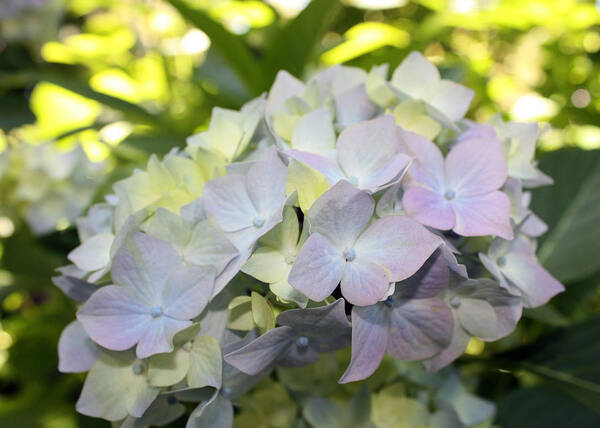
x=340, y=214
x=50, y=187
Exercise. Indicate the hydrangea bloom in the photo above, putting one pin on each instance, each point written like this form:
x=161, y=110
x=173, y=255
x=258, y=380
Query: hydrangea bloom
x=336, y=215
x=459, y=192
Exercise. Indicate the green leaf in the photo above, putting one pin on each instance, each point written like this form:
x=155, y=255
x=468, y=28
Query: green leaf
x=540, y=407
x=568, y=359
x=231, y=47
x=571, y=207
x=293, y=46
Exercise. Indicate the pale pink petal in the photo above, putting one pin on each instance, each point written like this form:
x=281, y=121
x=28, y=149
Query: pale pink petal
x=428, y=207
x=397, y=243
x=428, y=167
x=364, y=282
x=227, y=203
x=475, y=166
x=318, y=268
x=113, y=318
x=483, y=215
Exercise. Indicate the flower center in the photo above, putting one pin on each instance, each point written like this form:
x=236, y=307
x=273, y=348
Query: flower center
x=349, y=254
x=258, y=222
x=171, y=400
x=353, y=180
x=302, y=342
x=501, y=261
x=449, y=195
x=389, y=301
x=455, y=302
x=138, y=368
x=290, y=259
x=225, y=391
x=156, y=311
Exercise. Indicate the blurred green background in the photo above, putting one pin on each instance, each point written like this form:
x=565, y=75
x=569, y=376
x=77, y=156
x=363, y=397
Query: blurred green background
x=125, y=79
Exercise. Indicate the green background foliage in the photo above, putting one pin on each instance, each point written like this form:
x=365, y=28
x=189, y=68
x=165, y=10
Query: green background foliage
x=69, y=71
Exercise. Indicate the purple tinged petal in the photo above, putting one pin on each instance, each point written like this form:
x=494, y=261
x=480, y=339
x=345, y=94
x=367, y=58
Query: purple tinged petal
x=76, y=351
x=428, y=167
x=397, y=243
x=340, y=214
x=535, y=283
x=325, y=166
x=370, y=335
x=230, y=271
x=428, y=207
x=419, y=328
x=188, y=291
x=144, y=266
x=227, y=203
x=482, y=215
x=297, y=356
x=319, y=322
x=460, y=341
x=75, y=288
x=318, y=268
x=364, y=282
x=261, y=352
x=429, y=280
x=114, y=318
x=158, y=336
x=475, y=166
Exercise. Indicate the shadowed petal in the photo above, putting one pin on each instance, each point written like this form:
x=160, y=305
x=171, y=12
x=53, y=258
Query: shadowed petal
x=326, y=326
x=458, y=344
x=428, y=207
x=354, y=106
x=370, y=332
x=397, y=243
x=428, y=281
x=261, y=352
x=205, y=363
x=216, y=413
x=419, y=328
x=478, y=317
x=318, y=268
